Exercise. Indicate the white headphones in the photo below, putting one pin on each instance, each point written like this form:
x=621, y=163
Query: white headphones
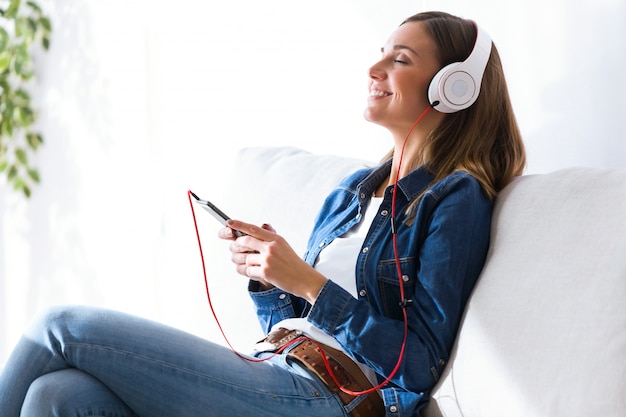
x=456, y=86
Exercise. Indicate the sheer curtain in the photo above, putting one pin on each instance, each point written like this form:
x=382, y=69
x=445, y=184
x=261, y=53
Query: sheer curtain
x=141, y=101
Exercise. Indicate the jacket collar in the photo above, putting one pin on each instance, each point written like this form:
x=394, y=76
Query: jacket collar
x=410, y=186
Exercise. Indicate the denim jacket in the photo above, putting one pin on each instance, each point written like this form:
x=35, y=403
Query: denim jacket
x=441, y=252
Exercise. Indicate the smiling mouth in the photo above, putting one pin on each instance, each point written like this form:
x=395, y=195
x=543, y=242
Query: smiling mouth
x=379, y=93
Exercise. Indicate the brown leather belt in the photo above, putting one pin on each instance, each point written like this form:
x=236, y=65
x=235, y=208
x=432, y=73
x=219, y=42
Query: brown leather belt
x=345, y=370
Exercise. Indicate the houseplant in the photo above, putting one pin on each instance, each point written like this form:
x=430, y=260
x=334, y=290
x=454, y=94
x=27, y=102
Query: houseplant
x=22, y=26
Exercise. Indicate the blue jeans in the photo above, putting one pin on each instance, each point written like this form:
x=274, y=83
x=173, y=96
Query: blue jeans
x=81, y=361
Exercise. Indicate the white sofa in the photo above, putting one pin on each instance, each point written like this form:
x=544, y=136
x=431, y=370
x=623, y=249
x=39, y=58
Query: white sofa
x=544, y=333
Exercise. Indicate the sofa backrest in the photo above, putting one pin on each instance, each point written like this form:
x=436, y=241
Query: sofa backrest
x=545, y=330
x=285, y=186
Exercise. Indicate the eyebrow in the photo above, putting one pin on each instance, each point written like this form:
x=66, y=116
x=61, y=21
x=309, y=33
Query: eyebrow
x=399, y=47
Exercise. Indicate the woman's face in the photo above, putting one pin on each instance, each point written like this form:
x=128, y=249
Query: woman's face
x=399, y=82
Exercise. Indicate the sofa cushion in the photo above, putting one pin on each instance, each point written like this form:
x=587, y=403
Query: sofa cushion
x=545, y=330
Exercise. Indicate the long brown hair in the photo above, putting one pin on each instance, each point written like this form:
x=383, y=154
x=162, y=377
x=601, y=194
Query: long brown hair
x=483, y=140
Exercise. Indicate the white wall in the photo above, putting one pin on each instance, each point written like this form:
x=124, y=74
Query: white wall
x=140, y=101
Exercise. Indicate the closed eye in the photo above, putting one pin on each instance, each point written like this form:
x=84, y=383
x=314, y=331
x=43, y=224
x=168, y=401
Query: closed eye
x=399, y=59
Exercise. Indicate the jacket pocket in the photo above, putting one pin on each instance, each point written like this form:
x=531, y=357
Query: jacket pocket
x=389, y=283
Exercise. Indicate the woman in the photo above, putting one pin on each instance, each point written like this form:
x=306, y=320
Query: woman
x=416, y=227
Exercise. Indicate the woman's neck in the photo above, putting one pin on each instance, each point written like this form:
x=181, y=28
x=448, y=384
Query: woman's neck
x=409, y=150
x=411, y=153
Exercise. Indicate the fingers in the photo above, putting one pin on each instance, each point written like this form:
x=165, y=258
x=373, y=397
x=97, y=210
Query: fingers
x=245, y=250
x=265, y=233
x=226, y=233
x=240, y=259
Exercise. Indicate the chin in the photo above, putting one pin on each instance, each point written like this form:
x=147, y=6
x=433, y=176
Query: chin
x=377, y=121
x=371, y=117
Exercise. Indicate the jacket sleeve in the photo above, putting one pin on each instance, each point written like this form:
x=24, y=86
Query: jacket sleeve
x=274, y=305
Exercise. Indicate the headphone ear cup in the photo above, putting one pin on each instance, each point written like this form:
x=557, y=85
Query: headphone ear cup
x=456, y=86
x=452, y=89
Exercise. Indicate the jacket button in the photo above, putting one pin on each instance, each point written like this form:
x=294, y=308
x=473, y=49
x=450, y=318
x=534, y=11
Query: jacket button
x=393, y=409
x=405, y=278
x=321, y=244
x=363, y=293
x=282, y=296
x=365, y=250
x=363, y=195
x=384, y=213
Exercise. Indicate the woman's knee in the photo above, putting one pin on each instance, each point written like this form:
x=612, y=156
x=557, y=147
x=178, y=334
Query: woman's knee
x=71, y=392
x=51, y=316
x=43, y=393
x=59, y=319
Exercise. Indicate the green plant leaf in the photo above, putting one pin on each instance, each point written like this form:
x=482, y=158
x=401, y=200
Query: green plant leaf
x=11, y=173
x=5, y=60
x=34, y=140
x=5, y=86
x=4, y=39
x=45, y=42
x=34, y=6
x=34, y=175
x=23, y=94
x=3, y=165
x=27, y=73
x=45, y=22
x=24, y=116
x=20, y=185
x=33, y=25
x=7, y=126
x=11, y=11
x=20, y=26
x=20, y=155
x=22, y=62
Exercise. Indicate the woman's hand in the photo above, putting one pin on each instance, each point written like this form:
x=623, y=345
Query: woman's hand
x=266, y=257
x=239, y=254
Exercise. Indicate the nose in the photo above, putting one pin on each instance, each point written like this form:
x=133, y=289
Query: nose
x=377, y=71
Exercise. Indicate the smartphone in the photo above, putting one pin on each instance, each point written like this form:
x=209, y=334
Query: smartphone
x=215, y=212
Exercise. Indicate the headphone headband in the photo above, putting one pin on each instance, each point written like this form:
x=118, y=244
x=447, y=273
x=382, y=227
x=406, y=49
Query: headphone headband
x=456, y=86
